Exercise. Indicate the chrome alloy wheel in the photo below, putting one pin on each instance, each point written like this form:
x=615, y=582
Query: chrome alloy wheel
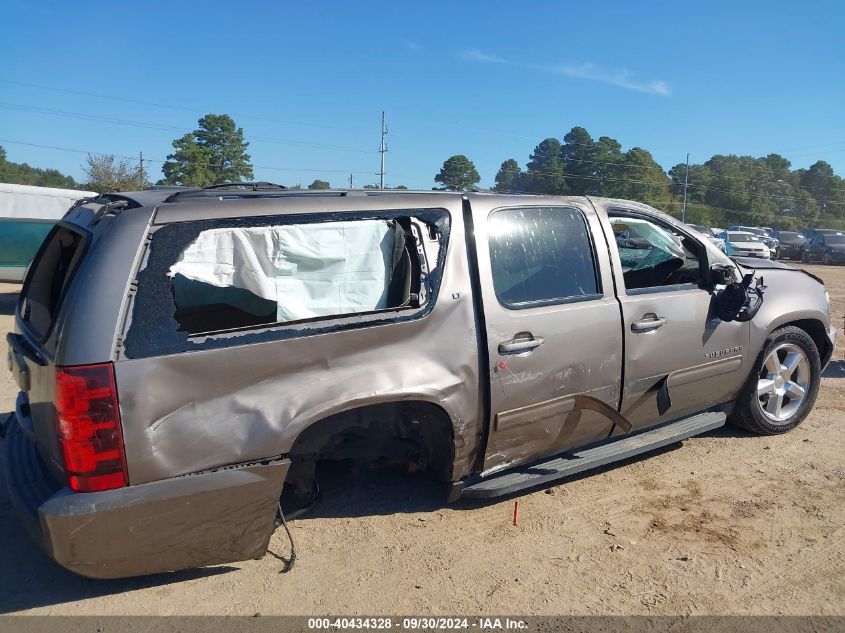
x=783, y=382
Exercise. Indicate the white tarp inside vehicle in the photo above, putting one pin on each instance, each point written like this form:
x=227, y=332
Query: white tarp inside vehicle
x=309, y=270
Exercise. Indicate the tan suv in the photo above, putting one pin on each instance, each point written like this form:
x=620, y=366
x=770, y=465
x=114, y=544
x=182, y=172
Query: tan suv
x=185, y=359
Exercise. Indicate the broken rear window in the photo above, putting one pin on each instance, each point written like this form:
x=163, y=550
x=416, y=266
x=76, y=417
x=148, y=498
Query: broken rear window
x=229, y=278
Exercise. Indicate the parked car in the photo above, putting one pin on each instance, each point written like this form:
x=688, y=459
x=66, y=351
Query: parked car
x=828, y=248
x=718, y=242
x=809, y=234
x=187, y=358
x=27, y=214
x=763, y=235
x=744, y=244
x=791, y=244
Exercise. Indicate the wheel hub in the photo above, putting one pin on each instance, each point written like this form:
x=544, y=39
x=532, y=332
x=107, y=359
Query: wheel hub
x=783, y=382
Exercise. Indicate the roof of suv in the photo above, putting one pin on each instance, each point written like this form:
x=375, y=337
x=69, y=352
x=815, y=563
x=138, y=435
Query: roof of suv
x=257, y=199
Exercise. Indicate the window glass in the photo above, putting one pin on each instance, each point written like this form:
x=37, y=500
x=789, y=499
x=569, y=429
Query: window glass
x=654, y=255
x=48, y=278
x=20, y=240
x=742, y=237
x=540, y=255
x=236, y=277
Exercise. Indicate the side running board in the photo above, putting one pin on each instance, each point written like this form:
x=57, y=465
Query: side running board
x=578, y=461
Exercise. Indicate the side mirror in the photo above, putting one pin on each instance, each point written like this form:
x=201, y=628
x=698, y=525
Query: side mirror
x=721, y=274
x=738, y=301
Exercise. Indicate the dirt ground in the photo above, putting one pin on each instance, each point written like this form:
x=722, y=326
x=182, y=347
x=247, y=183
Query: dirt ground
x=728, y=523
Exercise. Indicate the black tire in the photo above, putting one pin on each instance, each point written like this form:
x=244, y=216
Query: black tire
x=748, y=412
x=805, y=257
x=826, y=259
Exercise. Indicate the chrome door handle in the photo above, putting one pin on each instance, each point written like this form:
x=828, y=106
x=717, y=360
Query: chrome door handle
x=514, y=346
x=648, y=324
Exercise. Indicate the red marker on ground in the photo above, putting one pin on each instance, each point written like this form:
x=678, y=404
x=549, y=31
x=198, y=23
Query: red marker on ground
x=516, y=513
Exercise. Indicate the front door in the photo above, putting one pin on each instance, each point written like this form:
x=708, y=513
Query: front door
x=679, y=358
x=553, y=330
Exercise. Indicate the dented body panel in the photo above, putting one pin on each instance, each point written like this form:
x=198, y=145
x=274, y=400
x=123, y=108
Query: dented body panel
x=215, y=421
x=694, y=360
x=534, y=412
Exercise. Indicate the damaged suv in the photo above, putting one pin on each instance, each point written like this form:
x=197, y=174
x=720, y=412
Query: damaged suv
x=187, y=358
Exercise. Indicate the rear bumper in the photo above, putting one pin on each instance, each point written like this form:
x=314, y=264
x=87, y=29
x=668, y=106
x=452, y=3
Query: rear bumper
x=209, y=518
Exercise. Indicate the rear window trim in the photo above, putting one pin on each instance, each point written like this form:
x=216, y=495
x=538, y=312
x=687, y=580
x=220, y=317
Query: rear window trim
x=25, y=325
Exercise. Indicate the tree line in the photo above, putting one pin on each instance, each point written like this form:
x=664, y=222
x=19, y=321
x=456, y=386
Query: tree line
x=723, y=191
x=215, y=152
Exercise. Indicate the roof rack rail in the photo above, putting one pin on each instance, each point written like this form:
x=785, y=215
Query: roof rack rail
x=228, y=189
x=260, y=185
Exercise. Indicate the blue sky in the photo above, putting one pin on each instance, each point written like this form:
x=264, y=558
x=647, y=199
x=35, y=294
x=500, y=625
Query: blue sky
x=308, y=81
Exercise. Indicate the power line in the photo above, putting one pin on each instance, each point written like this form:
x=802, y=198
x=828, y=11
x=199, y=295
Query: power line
x=160, y=161
x=178, y=107
x=155, y=126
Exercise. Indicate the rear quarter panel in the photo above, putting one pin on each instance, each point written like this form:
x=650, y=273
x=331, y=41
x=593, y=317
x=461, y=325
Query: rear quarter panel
x=193, y=411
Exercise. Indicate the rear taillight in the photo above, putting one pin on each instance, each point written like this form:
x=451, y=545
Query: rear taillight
x=88, y=425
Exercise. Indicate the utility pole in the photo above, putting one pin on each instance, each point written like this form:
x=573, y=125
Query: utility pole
x=350, y=180
x=141, y=177
x=684, y=207
x=382, y=150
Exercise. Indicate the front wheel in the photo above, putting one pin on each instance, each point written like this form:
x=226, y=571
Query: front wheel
x=826, y=259
x=782, y=391
x=805, y=257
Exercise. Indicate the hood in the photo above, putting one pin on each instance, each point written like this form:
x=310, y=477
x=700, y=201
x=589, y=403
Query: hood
x=750, y=264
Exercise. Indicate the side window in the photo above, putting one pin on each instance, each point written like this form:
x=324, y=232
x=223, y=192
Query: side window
x=541, y=256
x=238, y=277
x=654, y=255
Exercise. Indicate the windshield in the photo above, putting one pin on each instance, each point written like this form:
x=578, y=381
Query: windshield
x=742, y=237
x=703, y=230
x=751, y=229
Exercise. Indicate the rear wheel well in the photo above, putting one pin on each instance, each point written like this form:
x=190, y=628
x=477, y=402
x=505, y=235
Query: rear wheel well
x=412, y=432
x=818, y=333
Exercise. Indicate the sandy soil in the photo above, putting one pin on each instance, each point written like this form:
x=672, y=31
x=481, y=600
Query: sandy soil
x=728, y=523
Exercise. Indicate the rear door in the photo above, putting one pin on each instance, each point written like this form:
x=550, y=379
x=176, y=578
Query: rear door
x=679, y=358
x=553, y=328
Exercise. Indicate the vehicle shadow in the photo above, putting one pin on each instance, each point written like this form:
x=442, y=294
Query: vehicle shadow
x=30, y=579
x=836, y=369
x=8, y=301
